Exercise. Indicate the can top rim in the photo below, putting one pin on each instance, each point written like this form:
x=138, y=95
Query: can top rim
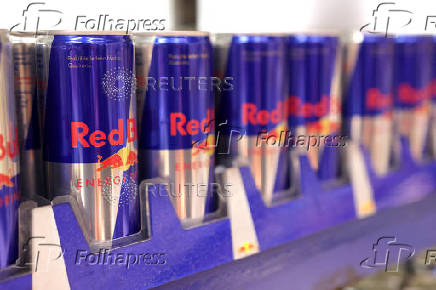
x=77, y=32
x=173, y=33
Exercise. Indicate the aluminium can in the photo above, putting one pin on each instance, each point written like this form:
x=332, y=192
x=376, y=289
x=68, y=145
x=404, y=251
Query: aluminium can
x=412, y=90
x=28, y=121
x=177, y=118
x=368, y=90
x=313, y=102
x=433, y=103
x=89, y=129
x=254, y=107
x=9, y=158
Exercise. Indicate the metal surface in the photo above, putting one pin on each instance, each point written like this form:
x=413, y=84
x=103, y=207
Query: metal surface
x=254, y=106
x=368, y=96
x=24, y=58
x=412, y=81
x=177, y=118
x=314, y=98
x=90, y=138
x=9, y=158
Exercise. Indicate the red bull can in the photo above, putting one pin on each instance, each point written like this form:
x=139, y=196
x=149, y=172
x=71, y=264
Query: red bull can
x=9, y=158
x=254, y=107
x=368, y=102
x=412, y=85
x=433, y=103
x=177, y=118
x=90, y=137
x=313, y=102
x=24, y=58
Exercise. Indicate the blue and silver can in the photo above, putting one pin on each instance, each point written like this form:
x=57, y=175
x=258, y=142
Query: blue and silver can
x=9, y=158
x=177, y=118
x=412, y=81
x=25, y=80
x=89, y=126
x=368, y=96
x=313, y=102
x=254, y=107
x=433, y=103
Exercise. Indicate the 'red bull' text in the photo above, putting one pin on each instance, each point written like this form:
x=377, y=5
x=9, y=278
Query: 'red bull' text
x=98, y=138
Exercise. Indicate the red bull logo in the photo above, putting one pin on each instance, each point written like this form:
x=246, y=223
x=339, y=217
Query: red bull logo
x=296, y=107
x=179, y=125
x=123, y=159
x=293, y=106
x=206, y=146
x=433, y=88
x=247, y=247
x=5, y=181
x=377, y=100
x=253, y=116
x=8, y=148
x=410, y=96
x=80, y=130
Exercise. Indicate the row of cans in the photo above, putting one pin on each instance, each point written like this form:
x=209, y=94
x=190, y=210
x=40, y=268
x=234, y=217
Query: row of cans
x=94, y=113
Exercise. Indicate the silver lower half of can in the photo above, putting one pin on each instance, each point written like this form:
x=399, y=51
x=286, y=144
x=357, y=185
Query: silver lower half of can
x=190, y=177
x=97, y=192
x=31, y=174
x=24, y=56
x=414, y=125
x=263, y=160
x=377, y=134
x=433, y=131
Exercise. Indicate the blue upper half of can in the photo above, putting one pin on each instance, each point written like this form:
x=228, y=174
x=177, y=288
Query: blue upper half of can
x=88, y=101
x=256, y=64
x=369, y=79
x=413, y=70
x=179, y=105
x=311, y=60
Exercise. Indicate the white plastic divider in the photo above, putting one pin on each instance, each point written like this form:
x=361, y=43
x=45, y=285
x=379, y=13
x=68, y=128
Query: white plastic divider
x=48, y=265
x=244, y=239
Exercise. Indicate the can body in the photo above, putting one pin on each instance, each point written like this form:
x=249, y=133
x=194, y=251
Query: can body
x=313, y=100
x=368, y=99
x=90, y=138
x=412, y=80
x=254, y=107
x=433, y=103
x=177, y=125
x=24, y=57
x=9, y=159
